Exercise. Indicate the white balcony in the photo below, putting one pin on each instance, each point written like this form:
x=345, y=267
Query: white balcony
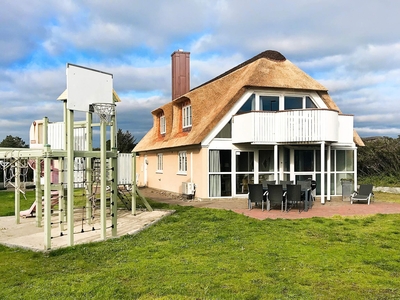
x=292, y=126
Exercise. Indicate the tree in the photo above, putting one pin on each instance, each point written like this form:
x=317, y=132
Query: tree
x=13, y=142
x=125, y=142
x=379, y=157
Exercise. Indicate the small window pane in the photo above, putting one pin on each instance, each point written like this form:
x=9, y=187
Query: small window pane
x=245, y=162
x=249, y=105
x=293, y=102
x=225, y=132
x=303, y=160
x=310, y=103
x=162, y=125
x=266, y=161
x=269, y=103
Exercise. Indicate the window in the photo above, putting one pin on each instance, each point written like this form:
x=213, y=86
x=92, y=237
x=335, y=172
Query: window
x=182, y=162
x=269, y=103
x=310, y=103
x=159, y=163
x=226, y=132
x=187, y=116
x=244, y=171
x=220, y=168
x=304, y=160
x=162, y=125
x=293, y=102
x=249, y=105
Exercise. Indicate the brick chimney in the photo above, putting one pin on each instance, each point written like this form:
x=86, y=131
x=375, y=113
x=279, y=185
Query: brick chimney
x=180, y=73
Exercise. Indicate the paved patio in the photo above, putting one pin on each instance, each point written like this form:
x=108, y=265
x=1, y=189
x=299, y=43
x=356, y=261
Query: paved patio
x=329, y=209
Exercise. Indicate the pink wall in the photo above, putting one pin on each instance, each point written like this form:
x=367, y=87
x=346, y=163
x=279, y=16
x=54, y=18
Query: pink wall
x=169, y=179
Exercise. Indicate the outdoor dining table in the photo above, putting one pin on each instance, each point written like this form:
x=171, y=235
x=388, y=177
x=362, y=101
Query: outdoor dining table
x=306, y=192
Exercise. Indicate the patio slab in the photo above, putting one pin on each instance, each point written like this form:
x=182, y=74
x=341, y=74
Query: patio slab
x=27, y=235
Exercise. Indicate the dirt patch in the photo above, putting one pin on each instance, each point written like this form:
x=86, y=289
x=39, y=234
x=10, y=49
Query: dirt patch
x=176, y=199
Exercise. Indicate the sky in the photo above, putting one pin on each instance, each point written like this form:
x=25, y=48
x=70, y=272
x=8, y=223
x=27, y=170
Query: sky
x=352, y=47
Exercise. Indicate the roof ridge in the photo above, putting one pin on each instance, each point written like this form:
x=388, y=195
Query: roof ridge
x=268, y=54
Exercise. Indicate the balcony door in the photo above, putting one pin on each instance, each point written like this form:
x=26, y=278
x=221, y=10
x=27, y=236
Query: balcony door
x=244, y=171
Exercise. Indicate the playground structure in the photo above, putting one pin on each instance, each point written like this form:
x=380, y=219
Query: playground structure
x=63, y=159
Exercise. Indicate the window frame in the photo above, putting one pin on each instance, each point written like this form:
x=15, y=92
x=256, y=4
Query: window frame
x=256, y=97
x=163, y=125
x=160, y=163
x=182, y=162
x=186, y=116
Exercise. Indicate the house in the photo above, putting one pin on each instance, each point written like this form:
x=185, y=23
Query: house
x=263, y=120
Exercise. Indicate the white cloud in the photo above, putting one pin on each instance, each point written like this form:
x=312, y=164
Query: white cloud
x=351, y=47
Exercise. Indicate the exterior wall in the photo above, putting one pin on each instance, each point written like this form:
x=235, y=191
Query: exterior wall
x=169, y=179
x=198, y=168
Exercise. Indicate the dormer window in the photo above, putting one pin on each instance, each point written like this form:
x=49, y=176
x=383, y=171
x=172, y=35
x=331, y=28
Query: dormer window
x=186, y=115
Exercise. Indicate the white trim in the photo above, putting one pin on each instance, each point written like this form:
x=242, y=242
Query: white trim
x=225, y=119
x=182, y=163
x=163, y=125
x=160, y=163
x=187, y=116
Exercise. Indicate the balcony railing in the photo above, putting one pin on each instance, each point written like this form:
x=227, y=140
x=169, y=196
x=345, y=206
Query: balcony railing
x=292, y=126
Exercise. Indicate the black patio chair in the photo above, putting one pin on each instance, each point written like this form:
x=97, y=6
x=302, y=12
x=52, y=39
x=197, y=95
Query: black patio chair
x=256, y=194
x=266, y=182
x=275, y=197
x=307, y=187
x=363, y=194
x=293, y=196
x=285, y=183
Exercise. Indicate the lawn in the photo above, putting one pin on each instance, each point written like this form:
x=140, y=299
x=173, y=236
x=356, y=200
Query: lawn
x=200, y=253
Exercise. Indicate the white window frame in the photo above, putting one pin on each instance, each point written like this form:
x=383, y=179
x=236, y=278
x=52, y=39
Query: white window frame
x=182, y=162
x=160, y=163
x=163, y=125
x=187, y=116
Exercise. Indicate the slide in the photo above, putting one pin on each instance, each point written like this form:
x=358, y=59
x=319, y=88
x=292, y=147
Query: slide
x=29, y=212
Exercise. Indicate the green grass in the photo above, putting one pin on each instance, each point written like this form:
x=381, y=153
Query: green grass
x=200, y=253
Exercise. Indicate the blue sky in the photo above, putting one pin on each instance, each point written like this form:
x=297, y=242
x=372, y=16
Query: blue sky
x=351, y=47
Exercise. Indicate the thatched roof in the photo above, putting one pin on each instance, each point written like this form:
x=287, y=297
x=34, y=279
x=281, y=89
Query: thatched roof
x=212, y=100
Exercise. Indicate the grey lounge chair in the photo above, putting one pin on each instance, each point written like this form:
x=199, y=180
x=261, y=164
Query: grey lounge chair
x=275, y=197
x=256, y=194
x=363, y=194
